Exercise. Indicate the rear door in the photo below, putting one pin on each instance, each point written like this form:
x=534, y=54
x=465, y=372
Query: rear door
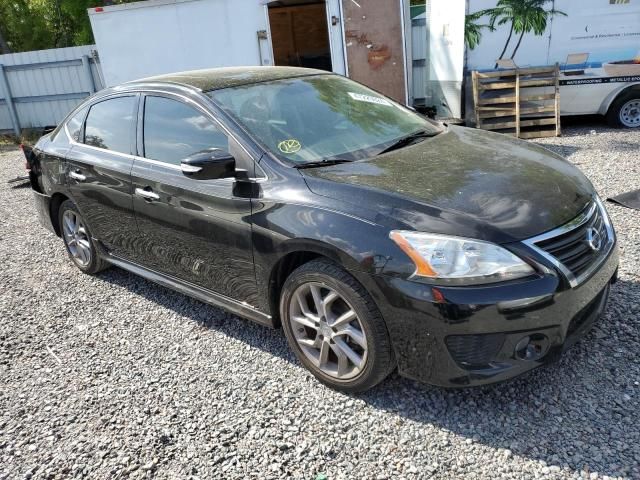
x=198, y=231
x=99, y=170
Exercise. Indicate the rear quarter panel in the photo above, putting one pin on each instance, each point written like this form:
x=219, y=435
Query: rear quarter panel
x=49, y=164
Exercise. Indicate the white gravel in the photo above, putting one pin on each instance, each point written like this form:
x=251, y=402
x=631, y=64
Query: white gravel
x=114, y=377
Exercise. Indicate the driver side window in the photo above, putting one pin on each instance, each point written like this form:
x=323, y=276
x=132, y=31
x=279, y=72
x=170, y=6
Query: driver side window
x=172, y=131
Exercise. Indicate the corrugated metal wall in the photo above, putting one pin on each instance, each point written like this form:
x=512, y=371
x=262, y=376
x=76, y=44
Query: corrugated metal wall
x=44, y=85
x=420, y=55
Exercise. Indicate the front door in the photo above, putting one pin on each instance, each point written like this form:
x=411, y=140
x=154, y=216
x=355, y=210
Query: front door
x=198, y=231
x=99, y=167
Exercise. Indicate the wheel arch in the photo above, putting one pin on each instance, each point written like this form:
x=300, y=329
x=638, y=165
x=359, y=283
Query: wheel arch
x=57, y=199
x=613, y=96
x=296, y=253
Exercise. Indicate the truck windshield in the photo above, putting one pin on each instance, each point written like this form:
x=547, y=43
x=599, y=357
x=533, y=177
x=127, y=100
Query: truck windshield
x=321, y=117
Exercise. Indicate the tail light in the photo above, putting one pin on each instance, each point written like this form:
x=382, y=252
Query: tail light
x=27, y=167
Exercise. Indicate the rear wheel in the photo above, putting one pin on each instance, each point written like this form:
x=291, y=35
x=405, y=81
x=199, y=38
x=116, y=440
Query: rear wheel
x=77, y=239
x=334, y=327
x=625, y=111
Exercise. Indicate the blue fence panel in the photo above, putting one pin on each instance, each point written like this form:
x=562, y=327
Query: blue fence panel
x=39, y=88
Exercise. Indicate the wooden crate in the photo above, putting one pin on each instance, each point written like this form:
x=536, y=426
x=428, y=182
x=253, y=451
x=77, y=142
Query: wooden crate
x=523, y=102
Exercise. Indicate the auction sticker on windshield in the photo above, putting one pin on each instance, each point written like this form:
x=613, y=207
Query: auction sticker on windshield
x=369, y=99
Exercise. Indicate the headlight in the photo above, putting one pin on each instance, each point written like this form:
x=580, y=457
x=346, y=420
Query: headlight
x=458, y=259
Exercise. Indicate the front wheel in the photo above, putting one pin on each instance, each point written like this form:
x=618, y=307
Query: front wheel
x=625, y=111
x=77, y=239
x=334, y=327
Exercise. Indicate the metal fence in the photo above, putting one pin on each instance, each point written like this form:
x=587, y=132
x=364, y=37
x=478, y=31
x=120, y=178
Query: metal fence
x=39, y=88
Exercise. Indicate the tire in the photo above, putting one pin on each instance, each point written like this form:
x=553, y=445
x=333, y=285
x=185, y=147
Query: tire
x=78, y=241
x=308, y=327
x=624, y=112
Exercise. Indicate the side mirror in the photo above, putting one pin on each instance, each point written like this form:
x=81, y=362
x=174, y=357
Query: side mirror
x=209, y=164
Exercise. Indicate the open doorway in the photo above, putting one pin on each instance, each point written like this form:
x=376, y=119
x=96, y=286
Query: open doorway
x=299, y=34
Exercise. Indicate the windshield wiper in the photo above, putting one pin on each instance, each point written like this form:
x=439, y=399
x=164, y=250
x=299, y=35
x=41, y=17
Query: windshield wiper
x=322, y=163
x=408, y=139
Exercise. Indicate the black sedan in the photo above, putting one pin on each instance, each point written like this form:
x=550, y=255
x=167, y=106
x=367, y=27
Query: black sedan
x=377, y=238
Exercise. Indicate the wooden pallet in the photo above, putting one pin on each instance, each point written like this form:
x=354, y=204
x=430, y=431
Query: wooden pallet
x=523, y=102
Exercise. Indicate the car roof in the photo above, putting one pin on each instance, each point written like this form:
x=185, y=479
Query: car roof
x=217, y=78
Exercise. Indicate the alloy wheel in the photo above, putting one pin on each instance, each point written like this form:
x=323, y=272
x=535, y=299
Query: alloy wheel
x=630, y=113
x=328, y=331
x=76, y=238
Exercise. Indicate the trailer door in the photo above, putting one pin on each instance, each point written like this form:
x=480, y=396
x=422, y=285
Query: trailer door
x=307, y=34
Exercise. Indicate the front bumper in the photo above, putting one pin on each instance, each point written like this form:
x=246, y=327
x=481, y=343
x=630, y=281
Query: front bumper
x=458, y=337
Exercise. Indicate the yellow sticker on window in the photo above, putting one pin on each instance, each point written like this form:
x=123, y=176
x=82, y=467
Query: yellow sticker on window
x=289, y=146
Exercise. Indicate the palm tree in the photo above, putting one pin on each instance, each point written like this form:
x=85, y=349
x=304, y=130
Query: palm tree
x=523, y=16
x=473, y=30
x=534, y=19
x=504, y=12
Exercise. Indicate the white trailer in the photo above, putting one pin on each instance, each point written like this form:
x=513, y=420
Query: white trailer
x=142, y=39
x=369, y=41
x=596, y=43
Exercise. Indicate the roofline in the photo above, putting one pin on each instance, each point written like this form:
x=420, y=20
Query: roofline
x=155, y=81
x=144, y=83
x=134, y=6
x=257, y=82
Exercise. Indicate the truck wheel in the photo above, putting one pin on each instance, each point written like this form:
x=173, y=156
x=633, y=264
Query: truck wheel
x=77, y=239
x=624, y=112
x=334, y=327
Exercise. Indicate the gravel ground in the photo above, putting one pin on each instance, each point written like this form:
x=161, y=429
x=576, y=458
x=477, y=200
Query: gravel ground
x=112, y=377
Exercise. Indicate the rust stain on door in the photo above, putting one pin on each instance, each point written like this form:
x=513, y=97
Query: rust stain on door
x=375, y=52
x=379, y=56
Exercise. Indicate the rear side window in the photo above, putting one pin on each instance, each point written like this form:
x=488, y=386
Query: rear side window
x=74, y=125
x=109, y=124
x=173, y=131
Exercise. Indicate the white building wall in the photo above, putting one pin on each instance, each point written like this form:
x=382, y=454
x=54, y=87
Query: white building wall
x=142, y=39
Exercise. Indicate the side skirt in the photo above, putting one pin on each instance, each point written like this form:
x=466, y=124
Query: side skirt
x=207, y=296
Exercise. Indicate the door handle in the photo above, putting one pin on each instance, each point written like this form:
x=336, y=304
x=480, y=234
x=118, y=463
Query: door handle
x=76, y=175
x=147, y=194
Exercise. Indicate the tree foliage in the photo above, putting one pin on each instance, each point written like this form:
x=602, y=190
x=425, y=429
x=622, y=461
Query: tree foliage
x=522, y=16
x=525, y=16
x=40, y=24
x=473, y=29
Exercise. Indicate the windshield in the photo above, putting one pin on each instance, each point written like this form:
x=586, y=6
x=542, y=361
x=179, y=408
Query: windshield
x=320, y=117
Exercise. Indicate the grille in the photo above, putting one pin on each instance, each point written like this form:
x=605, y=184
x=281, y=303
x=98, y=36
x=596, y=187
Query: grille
x=572, y=248
x=475, y=350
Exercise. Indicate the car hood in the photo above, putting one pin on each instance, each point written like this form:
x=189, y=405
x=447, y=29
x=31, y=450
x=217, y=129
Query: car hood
x=465, y=182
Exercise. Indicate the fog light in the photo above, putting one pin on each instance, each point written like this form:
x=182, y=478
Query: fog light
x=531, y=347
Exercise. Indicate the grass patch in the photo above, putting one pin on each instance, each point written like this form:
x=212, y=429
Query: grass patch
x=6, y=140
x=29, y=137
